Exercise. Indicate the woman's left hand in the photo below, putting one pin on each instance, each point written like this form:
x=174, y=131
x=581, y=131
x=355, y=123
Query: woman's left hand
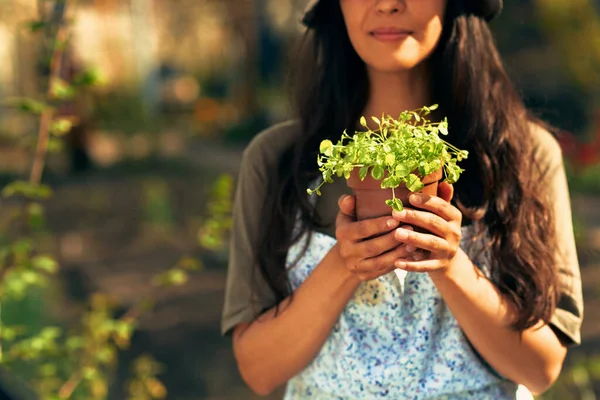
x=442, y=220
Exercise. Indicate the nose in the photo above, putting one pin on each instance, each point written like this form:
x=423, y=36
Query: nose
x=389, y=6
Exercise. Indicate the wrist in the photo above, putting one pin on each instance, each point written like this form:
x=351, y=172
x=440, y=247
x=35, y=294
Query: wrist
x=338, y=264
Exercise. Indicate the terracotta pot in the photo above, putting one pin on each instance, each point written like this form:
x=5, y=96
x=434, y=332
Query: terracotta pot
x=370, y=197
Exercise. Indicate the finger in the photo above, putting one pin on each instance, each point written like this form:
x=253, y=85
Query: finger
x=346, y=214
x=383, y=261
x=357, y=231
x=410, y=248
x=435, y=205
x=445, y=191
x=419, y=266
x=347, y=205
x=440, y=247
x=379, y=245
x=424, y=219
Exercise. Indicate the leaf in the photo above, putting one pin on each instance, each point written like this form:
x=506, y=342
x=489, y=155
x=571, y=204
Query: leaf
x=27, y=105
x=55, y=145
x=45, y=263
x=402, y=170
x=123, y=331
x=90, y=77
x=413, y=183
x=27, y=189
x=363, y=121
x=156, y=388
x=386, y=183
x=435, y=165
x=60, y=89
x=325, y=145
x=390, y=158
x=190, y=264
x=395, y=203
x=50, y=332
x=61, y=126
x=362, y=173
x=35, y=213
x=431, y=167
x=433, y=107
x=376, y=120
x=74, y=342
x=377, y=172
x=443, y=128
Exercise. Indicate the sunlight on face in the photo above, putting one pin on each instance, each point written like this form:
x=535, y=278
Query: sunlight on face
x=393, y=35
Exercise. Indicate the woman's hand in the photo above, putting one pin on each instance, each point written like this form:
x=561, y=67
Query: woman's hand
x=442, y=220
x=367, y=248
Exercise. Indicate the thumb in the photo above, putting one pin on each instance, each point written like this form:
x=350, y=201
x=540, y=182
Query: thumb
x=445, y=191
x=347, y=209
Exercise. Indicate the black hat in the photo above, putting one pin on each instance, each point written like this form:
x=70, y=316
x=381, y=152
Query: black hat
x=487, y=9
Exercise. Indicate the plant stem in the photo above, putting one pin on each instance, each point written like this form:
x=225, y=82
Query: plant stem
x=44, y=128
x=69, y=386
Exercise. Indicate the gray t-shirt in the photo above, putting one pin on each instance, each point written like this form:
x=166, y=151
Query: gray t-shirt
x=262, y=156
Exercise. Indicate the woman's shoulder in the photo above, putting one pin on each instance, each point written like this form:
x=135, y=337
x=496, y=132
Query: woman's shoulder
x=267, y=147
x=546, y=148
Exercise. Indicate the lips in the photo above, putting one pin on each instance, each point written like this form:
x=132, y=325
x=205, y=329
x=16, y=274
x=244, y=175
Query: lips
x=387, y=34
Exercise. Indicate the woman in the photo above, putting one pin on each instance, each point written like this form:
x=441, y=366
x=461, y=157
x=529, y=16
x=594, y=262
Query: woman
x=488, y=301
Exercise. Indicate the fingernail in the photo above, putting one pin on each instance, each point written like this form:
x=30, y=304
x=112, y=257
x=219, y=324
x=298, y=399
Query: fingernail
x=415, y=199
x=418, y=257
x=401, y=234
x=342, y=197
x=392, y=223
x=399, y=214
x=410, y=248
x=400, y=264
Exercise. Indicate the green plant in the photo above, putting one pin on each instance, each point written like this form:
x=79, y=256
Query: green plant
x=400, y=151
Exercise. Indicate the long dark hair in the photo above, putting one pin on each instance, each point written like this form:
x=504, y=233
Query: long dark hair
x=500, y=190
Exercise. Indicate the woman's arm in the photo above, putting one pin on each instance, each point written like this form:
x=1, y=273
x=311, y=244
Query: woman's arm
x=533, y=359
x=274, y=348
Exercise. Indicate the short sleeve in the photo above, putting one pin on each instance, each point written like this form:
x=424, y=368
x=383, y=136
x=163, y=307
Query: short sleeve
x=247, y=293
x=568, y=316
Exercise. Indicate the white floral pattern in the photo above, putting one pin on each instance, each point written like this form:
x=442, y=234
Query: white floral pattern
x=395, y=339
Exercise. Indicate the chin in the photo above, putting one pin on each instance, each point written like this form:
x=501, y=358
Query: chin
x=393, y=65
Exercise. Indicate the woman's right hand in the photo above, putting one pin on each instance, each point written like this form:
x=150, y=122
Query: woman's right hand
x=368, y=248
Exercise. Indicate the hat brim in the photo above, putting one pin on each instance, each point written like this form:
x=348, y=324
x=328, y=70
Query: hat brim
x=487, y=9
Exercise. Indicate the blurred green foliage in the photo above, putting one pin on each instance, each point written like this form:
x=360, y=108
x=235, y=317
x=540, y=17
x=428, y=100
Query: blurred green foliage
x=66, y=362
x=216, y=228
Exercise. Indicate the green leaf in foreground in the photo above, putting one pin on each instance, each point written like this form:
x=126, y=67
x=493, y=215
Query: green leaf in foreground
x=395, y=203
x=377, y=172
x=413, y=183
x=362, y=173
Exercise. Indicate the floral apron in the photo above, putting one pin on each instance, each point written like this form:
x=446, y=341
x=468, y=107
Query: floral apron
x=395, y=339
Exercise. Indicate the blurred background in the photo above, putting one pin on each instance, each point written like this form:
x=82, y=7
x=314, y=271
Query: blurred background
x=121, y=128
